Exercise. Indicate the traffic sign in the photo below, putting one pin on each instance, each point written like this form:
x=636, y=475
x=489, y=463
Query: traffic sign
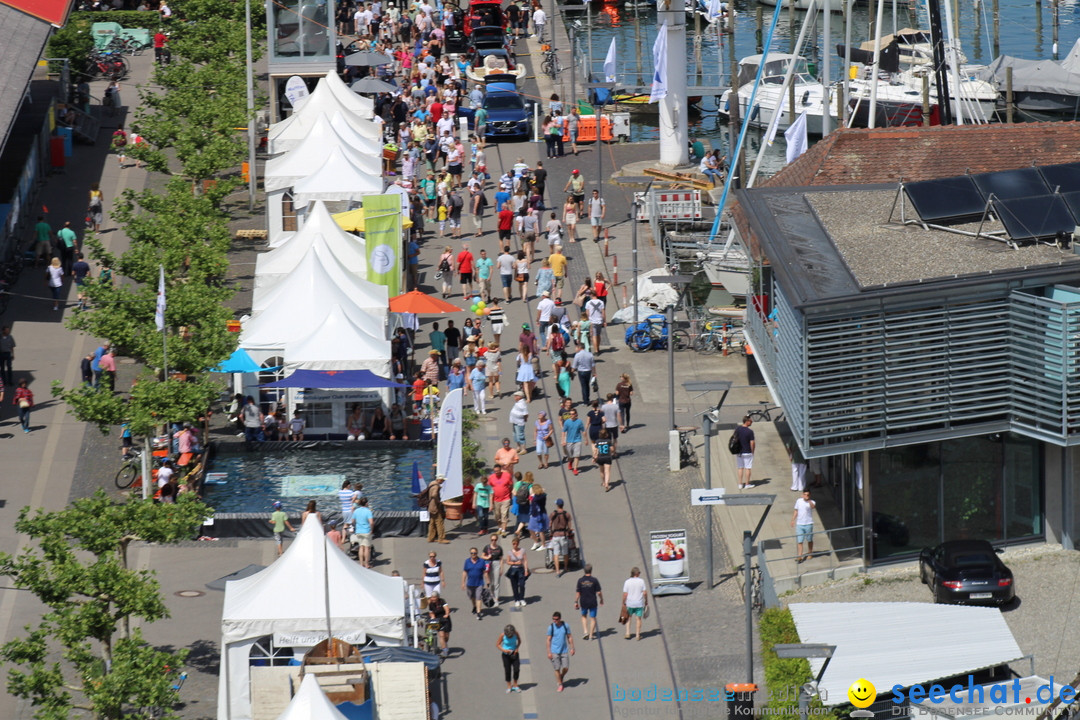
x=702, y=496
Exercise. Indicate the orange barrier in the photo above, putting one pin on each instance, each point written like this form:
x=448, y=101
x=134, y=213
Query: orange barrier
x=587, y=129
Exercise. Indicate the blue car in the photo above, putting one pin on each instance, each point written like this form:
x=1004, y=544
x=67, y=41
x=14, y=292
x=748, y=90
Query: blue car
x=509, y=116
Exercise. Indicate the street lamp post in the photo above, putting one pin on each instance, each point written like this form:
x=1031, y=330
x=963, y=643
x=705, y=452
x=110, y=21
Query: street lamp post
x=807, y=650
x=250, y=105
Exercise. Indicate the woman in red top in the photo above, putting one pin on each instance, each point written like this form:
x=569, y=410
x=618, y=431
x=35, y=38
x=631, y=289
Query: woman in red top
x=24, y=399
x=600, y=287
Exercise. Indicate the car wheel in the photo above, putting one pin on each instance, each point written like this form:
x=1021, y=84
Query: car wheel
x=922, y=574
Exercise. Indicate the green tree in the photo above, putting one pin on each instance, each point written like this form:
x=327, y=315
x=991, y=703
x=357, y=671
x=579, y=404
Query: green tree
x=77, y=567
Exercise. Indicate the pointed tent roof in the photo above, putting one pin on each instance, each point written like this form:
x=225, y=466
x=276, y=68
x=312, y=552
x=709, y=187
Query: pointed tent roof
x=337, y=179
x=311, y=703
x=317, y=273
x=339, y=344
x=363, y=134
x=319, y=230
x=308, y=156
x=359, y=599
x=365, y=107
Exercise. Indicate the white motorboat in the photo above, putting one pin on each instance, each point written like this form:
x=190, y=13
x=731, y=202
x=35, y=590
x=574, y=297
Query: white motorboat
x=771, y=95
x=976, y=99
x=728, y=267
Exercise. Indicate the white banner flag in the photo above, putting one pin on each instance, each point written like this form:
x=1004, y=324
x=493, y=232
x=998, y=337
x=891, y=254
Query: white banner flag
x=796, y=138
x=715, y=10
x=609, y=63
x=159, y=314
x=659, y=54
x=448, y=451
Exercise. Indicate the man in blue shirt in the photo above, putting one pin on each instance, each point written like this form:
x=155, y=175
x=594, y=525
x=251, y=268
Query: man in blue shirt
x=414, y=264
x=363, y=521
x=573, y=430
x=473, y=580
x=478, y=380
x=95, y=364
x=560, y=644
x=503, y=196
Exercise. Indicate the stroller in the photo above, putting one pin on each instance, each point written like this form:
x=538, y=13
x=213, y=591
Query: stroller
x=573, y=555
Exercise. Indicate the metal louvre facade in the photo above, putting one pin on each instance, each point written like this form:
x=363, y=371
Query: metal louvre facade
x=913, y=372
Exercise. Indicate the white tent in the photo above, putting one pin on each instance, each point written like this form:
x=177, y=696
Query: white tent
x=311, y=703
x=321, y=275
x=339, y=344
x=362, y=134
x=321, y=142
x=288, y=601
x=337, y=179
x=320, y=231
x=362, y=106
x=330, y=96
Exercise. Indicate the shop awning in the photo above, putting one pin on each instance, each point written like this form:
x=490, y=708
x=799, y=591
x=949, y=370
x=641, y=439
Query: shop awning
x=334, y=380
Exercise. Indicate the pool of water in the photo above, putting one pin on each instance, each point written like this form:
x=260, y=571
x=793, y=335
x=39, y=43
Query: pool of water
x=251, y=482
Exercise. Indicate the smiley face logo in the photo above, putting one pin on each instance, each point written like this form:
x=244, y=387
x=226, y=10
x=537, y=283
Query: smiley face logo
x=862, y=693
x=382, y=259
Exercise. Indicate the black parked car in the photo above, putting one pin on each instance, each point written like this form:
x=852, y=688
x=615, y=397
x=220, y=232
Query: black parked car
x=966, y=571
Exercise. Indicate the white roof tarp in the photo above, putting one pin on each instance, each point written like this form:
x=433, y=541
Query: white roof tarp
x=339, y=344
x=311, y=703
x=938, y=641
x=321, y=275
x=363, y=106
x=319, y=230
x=337, y=179
x=362, y=134
x=309, y=155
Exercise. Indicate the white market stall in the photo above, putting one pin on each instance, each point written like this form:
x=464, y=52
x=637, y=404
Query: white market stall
x=321, y=275
x=319, y=232
x=286, y=605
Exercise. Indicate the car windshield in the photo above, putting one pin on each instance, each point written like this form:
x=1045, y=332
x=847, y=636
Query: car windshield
x=972, y=559
x=504, y=102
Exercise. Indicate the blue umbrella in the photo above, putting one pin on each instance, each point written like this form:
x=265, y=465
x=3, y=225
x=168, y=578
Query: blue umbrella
x=417, y=479
x=240, y=362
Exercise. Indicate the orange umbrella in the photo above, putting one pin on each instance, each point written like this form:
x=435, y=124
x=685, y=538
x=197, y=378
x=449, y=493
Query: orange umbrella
x=420, y=304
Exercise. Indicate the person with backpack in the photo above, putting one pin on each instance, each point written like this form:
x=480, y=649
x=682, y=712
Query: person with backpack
x=560, y=646
x=561, y=527
x=522, y=492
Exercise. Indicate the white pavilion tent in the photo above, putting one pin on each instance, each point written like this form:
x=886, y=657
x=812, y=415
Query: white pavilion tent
x=320, y=143
x=339, y=343
x=319, y=231
x=337, y=179
x=313, y=587
x=311, y=703
x=319, y=273
x=361, y=134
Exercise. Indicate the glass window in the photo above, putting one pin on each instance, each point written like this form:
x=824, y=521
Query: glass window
x=288, y=212
x=272, y=371
x=905, y=491
x=1023, y=487
x=318, y=415
x=971, y=488
x=300, y=29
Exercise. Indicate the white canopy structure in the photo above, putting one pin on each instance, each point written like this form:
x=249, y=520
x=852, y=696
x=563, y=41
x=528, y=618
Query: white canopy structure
x=321, y=275
x=309, y=155
x=311, y=703
x=330, y=96
x=320, y=231
x=362, y=106
x=339, y=343
x=337, y=179
x=313, y=587
x=361, y=134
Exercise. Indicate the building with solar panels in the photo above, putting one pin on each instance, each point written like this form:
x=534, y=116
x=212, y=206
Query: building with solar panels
x=926, y=349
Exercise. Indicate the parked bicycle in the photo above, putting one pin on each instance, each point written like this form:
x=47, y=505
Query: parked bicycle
x=125, y=45
x=550, y=65
x=766, y=413
x=130, y=471
x=687, y=456
x=720, y=336
x=653, y=334
x=106, y=64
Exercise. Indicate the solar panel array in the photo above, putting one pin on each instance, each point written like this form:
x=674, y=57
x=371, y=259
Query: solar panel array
x=1033, y=203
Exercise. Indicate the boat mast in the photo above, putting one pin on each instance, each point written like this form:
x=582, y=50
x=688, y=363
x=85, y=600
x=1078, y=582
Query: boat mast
x=826, y=74
x=941, y=72
x=876, y=65
x=952, y=59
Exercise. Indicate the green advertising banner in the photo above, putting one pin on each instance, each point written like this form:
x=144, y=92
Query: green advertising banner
x=382, y=235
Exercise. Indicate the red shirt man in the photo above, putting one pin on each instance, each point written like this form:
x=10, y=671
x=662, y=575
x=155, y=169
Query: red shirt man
x=501, y=484
x=506, y=219
x=465, y=262
x=436, y=112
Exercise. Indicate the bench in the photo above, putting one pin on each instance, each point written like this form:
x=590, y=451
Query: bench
x=695, y=182
x=251, y=234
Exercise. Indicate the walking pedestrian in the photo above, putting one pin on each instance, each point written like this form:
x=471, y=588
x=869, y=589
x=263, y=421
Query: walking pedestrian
x=464, y=264
x=576, y=187
x=635, y=598
x=506, y=265
x=526, y=374
x=545, y=439
x=584, y=365
x=588, y=594
x=24, y=400
x=594, y=310
x=572, y=432
x=558, y=268
x=96, y=210
x=7, y=355
x=802, y=519
x=473, y=579
x=484, y=264
x=501, y=484
x=493, y=556
x=482, y=503
x=436, y=511
x=603, y=454
x=744, y=461
x=363, y=522
x=517, y=571
x=54, y=278
x=519, y=416
x=597, y=212
x=560, y=645
x=497, y=320
x=624, y=392
x=433, y=575
x=538, y=518
x=478, y=379
x=611, y=420
x=279, y=520
x=562, y=531
x=509, y=643
x=68, y=244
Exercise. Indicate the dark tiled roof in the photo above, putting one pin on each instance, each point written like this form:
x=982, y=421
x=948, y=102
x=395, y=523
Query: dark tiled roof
x=853, y=156
x=22, y=38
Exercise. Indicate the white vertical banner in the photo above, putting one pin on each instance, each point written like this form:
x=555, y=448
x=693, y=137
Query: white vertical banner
x=159, y=311
x=796, y=138
x=659, y=53
x=448, y=450
x=609, y=64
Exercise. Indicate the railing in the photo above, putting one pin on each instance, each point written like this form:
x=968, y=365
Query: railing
x=838, y=556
